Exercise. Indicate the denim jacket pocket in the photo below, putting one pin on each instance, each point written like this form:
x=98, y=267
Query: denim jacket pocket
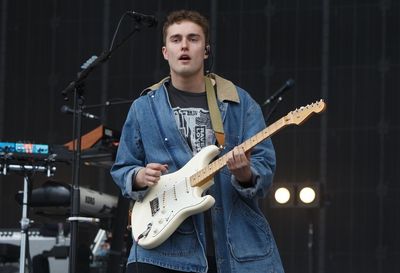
x=248, y=233
x=182, y=242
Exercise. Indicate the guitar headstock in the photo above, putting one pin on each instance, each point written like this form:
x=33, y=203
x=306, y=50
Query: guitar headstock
x=301, y=114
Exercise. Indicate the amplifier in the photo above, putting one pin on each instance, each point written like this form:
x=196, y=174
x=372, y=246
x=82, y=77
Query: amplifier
x=37, y=245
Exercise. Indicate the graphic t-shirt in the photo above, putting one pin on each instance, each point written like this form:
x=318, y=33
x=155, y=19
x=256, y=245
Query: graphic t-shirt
x=192, y=117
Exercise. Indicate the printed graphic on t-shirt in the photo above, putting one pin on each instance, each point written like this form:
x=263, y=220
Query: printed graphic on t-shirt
x=195, y=126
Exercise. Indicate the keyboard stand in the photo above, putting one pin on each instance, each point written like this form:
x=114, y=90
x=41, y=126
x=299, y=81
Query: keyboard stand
x=28, y=170
x=25, y=222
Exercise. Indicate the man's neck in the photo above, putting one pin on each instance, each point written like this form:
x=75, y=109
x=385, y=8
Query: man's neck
x=194, y=84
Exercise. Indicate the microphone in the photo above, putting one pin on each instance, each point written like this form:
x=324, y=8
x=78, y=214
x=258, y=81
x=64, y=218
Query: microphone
x=147, y=20
x=67, y=110
x=288, y=84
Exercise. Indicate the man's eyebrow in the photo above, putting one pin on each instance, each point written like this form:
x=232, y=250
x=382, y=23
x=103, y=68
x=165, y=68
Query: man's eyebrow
x=191, y=35
x=175, y=36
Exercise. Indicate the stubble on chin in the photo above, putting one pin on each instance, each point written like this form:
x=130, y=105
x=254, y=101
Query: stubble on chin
x=187, y=71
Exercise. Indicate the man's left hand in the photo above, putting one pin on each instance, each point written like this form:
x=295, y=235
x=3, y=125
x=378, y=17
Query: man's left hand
x=239, y=164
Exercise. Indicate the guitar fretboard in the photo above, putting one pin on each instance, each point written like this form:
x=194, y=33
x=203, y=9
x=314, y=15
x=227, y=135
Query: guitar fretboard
x=297, y=116
x=204, y=175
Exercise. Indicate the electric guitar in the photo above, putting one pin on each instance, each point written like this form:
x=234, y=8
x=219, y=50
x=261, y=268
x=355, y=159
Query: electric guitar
x=179, y=195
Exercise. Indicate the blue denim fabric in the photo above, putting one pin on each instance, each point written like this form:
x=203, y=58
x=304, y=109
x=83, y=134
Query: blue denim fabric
x=243, y=238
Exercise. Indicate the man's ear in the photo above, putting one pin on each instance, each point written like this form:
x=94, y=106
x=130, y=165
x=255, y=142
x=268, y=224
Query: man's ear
x=164, y=52
x=207, y=51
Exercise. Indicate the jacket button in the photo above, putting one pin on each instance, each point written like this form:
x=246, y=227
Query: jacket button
x=165, y=139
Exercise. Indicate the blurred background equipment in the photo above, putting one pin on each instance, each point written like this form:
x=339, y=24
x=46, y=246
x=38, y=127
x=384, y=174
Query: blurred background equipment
x=53, y=198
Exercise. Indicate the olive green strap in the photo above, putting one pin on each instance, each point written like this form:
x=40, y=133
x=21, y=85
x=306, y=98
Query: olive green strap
x=215, y=114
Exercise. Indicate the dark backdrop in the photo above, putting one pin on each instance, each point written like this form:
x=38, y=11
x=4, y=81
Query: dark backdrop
x=346, y=52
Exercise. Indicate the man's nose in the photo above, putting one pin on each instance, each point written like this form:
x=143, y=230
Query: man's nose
x=184, y=44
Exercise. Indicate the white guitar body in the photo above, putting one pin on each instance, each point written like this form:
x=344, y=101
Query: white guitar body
x=171, y=201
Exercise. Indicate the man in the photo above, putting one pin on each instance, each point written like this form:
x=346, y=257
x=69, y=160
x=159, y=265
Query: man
x=169, y=124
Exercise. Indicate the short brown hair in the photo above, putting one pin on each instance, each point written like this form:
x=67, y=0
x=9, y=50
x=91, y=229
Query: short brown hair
x=186, y=15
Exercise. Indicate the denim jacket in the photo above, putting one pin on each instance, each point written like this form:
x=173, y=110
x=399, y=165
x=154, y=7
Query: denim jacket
x=242, y=236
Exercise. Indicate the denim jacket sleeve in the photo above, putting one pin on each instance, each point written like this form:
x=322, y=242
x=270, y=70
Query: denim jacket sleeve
x=262, y=155
x=130, y=157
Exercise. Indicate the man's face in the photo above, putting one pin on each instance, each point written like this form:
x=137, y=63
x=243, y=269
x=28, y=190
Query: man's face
x=185, y=49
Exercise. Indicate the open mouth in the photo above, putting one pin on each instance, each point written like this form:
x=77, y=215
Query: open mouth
x=184, y=58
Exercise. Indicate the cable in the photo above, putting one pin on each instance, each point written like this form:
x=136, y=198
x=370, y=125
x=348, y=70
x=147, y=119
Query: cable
x=211, y=61
x=136, y=261
x=143, y=234
x=116, y=30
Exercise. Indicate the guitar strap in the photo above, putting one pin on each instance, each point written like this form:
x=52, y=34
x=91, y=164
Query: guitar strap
x=215, y=114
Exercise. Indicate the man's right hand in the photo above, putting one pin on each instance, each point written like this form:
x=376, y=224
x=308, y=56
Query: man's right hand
x=149, y=175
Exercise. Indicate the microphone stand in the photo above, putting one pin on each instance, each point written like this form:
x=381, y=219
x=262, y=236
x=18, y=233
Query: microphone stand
x=76, y=164
x=107, y=103
x=77, y=88
x=121, y=217
x=278, y=97
x=273, y=109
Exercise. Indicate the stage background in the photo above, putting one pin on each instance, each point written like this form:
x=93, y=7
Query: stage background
x=346, y=52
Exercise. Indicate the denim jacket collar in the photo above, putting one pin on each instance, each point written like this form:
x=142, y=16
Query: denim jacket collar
x=226, y=90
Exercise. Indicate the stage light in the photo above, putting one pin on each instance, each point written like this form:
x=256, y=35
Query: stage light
x=282, y=195
x=295, y=195
x=307, y=195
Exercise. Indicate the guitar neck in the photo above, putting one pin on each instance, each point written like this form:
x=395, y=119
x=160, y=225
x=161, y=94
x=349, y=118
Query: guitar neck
x=204, y=175
x=297, y=117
